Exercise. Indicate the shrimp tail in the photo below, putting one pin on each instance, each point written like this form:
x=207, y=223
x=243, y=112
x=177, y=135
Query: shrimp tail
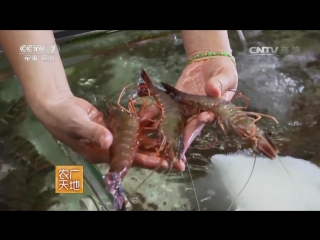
x=113, y=182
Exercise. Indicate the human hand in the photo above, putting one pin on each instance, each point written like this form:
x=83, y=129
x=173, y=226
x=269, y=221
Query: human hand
x=214, y=78
x=79, y=125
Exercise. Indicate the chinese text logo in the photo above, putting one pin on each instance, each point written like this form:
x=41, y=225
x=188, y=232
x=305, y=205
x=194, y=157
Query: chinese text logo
x=69, y=179
x=273, y=50
x=35, y=52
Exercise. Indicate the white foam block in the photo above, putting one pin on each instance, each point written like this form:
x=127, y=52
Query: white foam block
x=271, y=187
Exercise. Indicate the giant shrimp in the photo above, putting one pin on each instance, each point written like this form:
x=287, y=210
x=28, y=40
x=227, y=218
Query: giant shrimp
x=125, y=127
x=171, y=123
x=230, y=117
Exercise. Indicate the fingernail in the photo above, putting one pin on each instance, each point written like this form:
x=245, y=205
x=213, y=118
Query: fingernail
x=206, y=118
x=182, y=166
x=216, y=85
x=105, y=141
x=164, y=164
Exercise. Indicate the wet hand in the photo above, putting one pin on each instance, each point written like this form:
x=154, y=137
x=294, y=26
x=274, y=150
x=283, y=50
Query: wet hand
x=76, y=123
x=214, y=78
x=80, y=126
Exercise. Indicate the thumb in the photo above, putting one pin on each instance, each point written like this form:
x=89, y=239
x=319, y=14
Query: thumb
x=218, y=85
x=96, y=133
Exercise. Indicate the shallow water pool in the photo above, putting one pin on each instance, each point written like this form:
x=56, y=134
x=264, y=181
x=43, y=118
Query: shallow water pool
x=285, y=85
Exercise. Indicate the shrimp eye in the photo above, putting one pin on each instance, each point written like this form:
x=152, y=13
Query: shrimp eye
x=270, y=133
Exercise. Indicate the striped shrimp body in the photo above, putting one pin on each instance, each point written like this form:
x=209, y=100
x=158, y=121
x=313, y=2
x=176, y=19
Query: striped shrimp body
x=230, y=117
x=172, y=120
x=124, y=125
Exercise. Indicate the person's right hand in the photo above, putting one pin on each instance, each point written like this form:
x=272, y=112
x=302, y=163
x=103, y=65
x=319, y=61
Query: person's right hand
x=214, y=78
x=80, y=126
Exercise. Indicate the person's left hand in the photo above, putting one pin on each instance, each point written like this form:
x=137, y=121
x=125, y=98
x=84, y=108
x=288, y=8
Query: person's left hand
x=79, y=125
x=215, y=78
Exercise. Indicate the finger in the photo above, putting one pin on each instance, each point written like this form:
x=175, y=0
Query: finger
x=148, y=143
x=149, y=113
x=89, y=124
x=191, y=131
x=150, y=162
x=148, y=129
x=206, y=117
x=180, y=166
x=228, y=95
x=95, y=133
x=94, y=153
x=88, y=150
x=93, y=113
x=194, y=127
x=219, y=84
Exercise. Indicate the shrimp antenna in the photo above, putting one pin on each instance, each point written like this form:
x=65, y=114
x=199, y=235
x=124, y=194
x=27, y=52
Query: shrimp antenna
x=156, y=169
x=233, y=201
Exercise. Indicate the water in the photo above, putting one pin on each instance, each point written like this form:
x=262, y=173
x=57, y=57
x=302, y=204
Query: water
x=33, y=131
x=285, y=86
